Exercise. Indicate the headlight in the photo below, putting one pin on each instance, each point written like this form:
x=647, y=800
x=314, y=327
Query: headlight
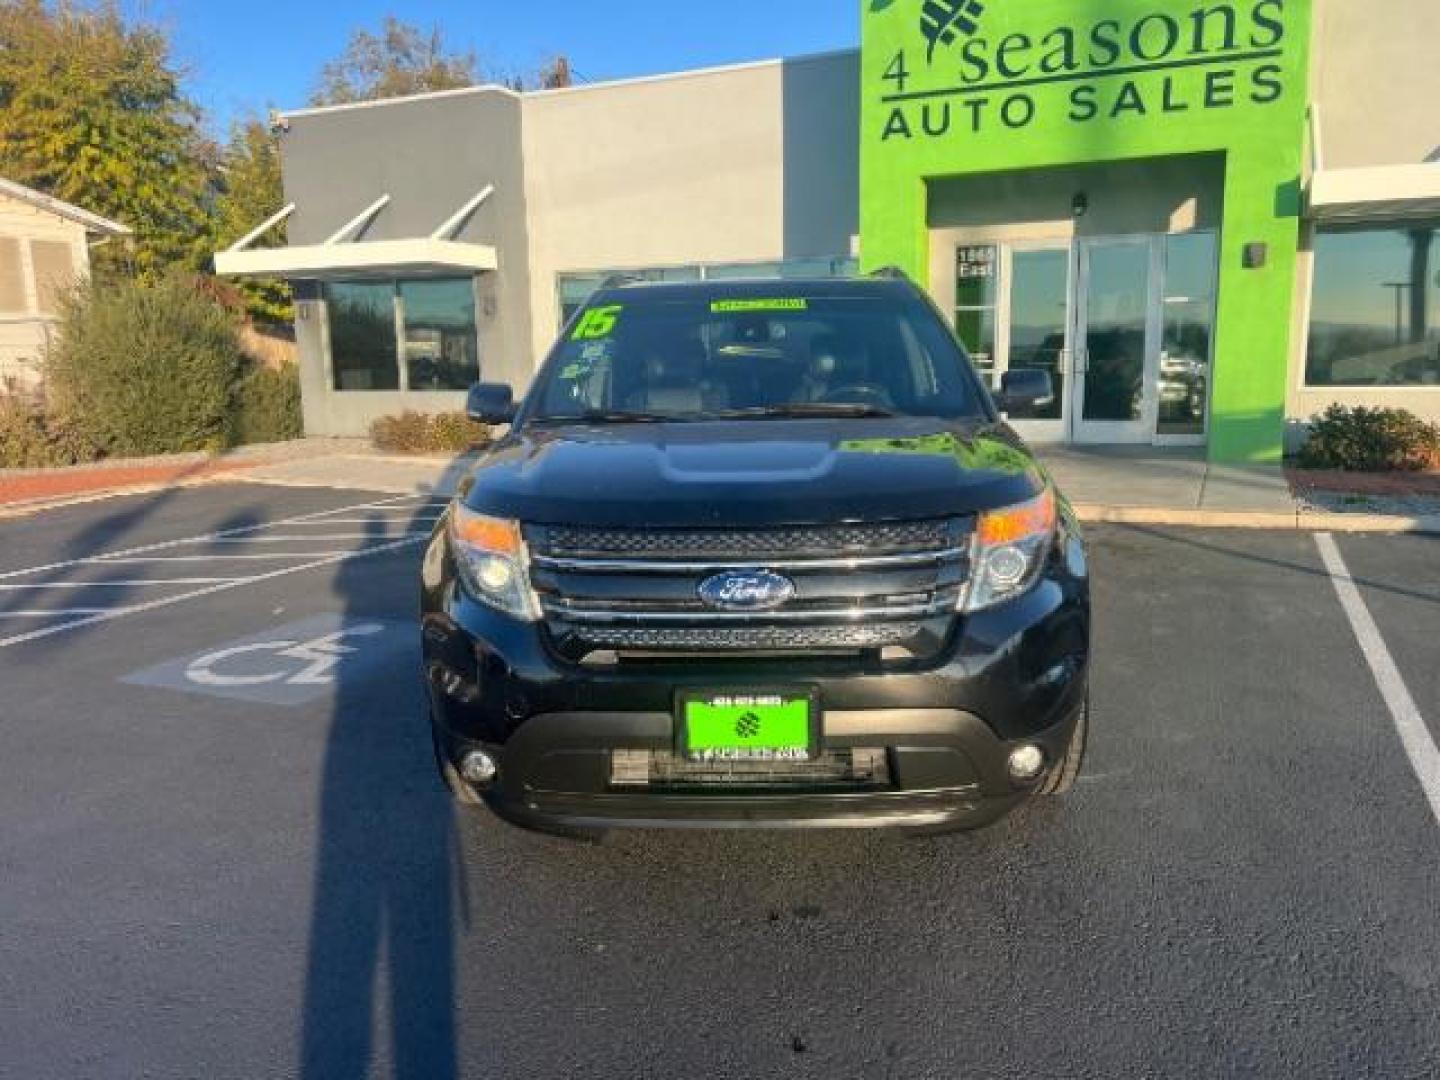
x=490, y=555
x=1010, y=549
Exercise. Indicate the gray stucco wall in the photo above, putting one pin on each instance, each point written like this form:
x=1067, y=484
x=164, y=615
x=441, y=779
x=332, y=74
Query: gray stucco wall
x=431, y=155
x=821, y=154
x=1376, y=77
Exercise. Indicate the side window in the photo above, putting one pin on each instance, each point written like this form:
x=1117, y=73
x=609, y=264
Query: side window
x=54, y=262
x=12, y=277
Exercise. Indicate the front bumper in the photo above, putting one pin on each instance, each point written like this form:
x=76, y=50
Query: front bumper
x=945, y=769
x=1006, y=677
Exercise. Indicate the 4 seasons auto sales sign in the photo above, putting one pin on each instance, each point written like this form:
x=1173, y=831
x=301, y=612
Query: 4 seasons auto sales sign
x=966, y=67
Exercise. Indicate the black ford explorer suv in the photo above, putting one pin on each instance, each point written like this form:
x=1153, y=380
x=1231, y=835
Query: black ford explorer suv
x=757, y=554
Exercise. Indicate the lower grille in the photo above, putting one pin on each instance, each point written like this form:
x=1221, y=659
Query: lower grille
x=665, y=770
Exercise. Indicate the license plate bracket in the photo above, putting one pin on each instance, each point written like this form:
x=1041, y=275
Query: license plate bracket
x=748, y=725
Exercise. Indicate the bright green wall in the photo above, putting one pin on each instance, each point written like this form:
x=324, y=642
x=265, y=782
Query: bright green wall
x=1241, y=92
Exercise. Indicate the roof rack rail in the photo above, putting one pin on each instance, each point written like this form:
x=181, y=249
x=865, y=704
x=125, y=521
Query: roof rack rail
x=892, y=272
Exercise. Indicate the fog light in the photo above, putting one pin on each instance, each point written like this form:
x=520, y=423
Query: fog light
x=478, y=767
x=1027, y=762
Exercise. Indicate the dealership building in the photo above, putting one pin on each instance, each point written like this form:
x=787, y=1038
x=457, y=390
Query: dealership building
x=1207, y=219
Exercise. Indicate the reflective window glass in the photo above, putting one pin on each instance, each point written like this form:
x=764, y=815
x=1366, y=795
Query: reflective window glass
x=1375, y=308
x=442, y=350
x=363, y=352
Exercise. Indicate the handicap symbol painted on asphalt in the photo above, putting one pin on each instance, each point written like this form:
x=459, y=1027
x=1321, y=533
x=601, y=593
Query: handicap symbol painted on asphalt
x=287, y=665
x=321, y=657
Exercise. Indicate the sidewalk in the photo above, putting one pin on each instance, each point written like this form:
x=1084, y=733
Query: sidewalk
x=366, y=470
x=1146, y=485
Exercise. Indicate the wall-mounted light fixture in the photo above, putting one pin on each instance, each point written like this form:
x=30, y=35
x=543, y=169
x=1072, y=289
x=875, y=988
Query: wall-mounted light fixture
x=1080, y=204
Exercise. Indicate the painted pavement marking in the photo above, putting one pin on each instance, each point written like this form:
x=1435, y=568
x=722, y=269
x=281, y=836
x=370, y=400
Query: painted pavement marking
x=1415, y=736
x=289, y=665
x=211, y=590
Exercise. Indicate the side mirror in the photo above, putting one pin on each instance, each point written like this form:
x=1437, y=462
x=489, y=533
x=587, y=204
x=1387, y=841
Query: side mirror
x=1025, y=391
x=491, y=403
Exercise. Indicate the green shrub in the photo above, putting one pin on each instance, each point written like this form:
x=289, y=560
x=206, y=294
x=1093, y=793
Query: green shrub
x=1360, y=439
x=146, y=368
x=428, y=433
x=30, y=439
x=267, y=407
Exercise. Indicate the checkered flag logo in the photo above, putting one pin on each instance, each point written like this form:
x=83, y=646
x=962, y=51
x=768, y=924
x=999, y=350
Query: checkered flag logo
x=942, y=21
x=748, y=726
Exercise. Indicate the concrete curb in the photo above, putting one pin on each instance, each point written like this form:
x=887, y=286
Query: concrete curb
x=1298, y=520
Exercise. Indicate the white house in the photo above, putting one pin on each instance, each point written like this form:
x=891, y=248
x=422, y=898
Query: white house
x=44, y=249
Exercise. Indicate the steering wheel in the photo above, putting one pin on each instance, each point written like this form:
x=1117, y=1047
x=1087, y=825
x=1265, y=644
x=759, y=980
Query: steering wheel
x=859, y=394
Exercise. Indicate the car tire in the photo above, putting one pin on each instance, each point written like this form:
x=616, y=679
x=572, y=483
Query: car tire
x=1062, y=779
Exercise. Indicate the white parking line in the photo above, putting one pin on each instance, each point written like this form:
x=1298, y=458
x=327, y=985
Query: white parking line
x=290, y=538
x=238, y=531
x=36, y=586
x=57, y=613
x=1414, y=734
x=427, y=519
x=102, y=560
x=234, y=583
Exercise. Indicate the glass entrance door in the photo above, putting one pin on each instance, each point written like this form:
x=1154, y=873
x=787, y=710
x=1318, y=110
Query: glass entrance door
x=1116, y=356
x=1124, y=326
x=1037, y=328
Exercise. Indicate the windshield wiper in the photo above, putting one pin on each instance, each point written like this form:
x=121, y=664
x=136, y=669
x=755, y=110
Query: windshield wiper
x=802, y=410
x=609, y=416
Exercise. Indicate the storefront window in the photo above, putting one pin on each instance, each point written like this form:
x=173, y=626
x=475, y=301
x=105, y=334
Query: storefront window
x=363, y=350
x=429, y=321
x=1375, y=308
x=442, y=351
x=975, y=269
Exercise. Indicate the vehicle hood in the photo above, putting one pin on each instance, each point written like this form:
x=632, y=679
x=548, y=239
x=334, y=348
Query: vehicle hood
x=752, y=472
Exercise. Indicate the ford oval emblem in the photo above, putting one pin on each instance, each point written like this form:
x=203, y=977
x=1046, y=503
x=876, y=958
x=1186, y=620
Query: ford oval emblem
x=746, y=590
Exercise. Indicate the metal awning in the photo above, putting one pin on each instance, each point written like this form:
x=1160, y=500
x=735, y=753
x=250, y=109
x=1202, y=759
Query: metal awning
x=1384, y=193
x=341, y=255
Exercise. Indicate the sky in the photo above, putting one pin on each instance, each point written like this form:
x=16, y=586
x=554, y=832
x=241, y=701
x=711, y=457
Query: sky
x=259, y=54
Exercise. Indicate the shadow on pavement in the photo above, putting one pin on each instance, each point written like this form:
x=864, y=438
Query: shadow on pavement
x=1235, y=552
x=381, y=950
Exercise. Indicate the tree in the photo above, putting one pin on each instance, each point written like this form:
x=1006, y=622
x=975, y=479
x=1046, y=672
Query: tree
x=401, y=59
x=250, y=190
x=91, y=112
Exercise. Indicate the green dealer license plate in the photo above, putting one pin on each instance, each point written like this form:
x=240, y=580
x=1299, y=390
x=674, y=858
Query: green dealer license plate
x=780, y=726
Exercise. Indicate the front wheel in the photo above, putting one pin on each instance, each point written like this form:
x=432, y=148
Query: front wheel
x=1062, y=779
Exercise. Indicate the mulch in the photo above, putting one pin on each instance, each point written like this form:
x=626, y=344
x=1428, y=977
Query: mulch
x=1424, y=485
x=31, y=487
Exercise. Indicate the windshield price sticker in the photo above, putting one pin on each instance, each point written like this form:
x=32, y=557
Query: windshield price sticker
x=598, y=323
x=726, y=307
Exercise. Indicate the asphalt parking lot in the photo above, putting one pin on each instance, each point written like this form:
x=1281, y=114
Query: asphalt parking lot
x=223, y=852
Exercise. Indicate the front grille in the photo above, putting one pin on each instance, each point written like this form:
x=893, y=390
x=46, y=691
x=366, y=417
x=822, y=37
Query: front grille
x=856, y=587
x=665, y=770
x=792, y=542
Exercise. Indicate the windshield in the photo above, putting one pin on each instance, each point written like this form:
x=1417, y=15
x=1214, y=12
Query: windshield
x=648, y=359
